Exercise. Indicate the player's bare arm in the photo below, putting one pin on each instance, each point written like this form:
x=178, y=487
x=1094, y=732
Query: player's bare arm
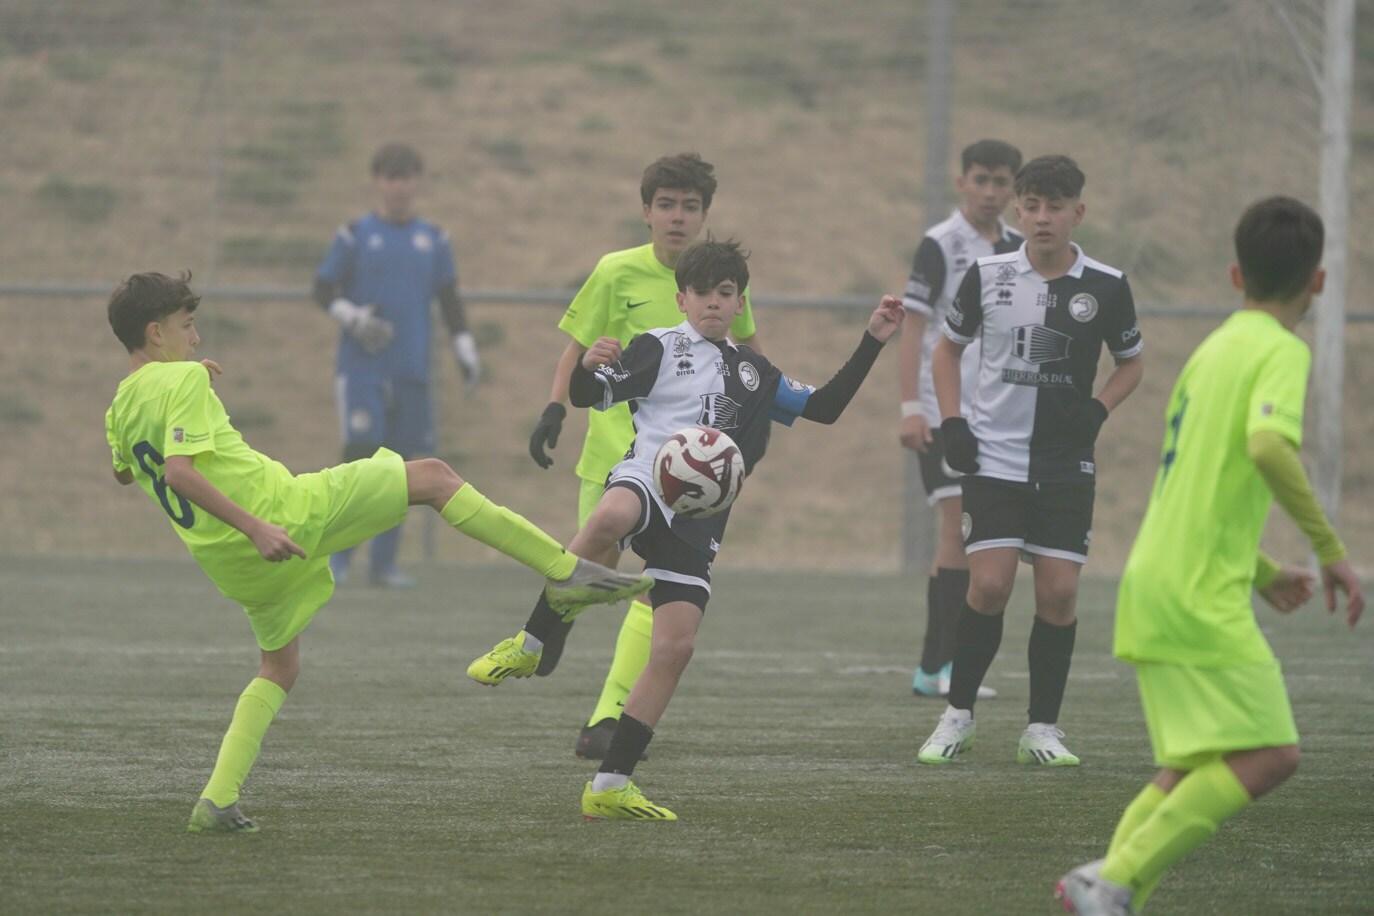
x=212, y=367
x=606, y=350
x=914, y=432
x=571, y=356
x=273, y=542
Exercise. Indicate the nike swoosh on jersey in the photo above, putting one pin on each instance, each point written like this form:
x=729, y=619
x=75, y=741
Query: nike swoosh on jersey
x=635, y=305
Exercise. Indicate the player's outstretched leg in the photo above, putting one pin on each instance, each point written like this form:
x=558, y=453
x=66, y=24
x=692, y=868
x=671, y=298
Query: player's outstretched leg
x=207, y=818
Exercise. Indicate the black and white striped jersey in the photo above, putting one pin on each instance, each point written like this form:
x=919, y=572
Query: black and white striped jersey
x=1040, y=349
x=942, y=259
x=674, y=378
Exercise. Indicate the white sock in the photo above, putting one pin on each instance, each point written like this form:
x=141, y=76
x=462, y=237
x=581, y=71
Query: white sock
x=603, y=781
x=958, y=713
x=529, y=643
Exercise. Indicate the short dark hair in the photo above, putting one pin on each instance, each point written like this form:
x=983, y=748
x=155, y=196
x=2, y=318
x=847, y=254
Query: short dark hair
x=145, y=298
x=991, y=155
x=683, y=172
x=397, y=160
x=706, y=264
x=1050, y=177
x=1278, y=247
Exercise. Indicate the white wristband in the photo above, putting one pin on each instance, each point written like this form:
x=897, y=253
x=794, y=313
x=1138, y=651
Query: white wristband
x=910, y=409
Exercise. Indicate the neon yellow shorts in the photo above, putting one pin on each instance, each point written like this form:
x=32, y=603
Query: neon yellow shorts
x=324, y=512
x=1196, y=714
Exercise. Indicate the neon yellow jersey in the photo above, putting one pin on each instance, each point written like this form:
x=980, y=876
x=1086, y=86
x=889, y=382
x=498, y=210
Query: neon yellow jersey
x=166, y=409
x=628, y=293
x=1185, y=591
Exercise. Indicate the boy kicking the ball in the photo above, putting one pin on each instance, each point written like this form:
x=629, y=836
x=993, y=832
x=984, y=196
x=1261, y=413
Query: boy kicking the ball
x=263, y=535
x=673, y=378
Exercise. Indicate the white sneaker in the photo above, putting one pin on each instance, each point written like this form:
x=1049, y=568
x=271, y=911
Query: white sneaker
x=953, y=735
x=592, y=583
x=1084, y=891
x=1040, y=744
x=937, y=684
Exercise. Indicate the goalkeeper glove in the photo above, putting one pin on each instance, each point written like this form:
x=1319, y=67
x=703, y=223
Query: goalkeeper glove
x=362, y=324
x=469, y=363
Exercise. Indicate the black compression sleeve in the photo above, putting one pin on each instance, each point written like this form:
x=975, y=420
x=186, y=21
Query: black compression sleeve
x=829, y=401
x=583, y=388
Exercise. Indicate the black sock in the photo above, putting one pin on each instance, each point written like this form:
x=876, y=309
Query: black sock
x=627, y=745
x=544, y=620
x=1049, y=655
x=980, y=636
x=951, y=592
x=930, y=650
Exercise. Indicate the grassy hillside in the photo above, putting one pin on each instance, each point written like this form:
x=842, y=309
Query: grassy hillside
x=232, y=138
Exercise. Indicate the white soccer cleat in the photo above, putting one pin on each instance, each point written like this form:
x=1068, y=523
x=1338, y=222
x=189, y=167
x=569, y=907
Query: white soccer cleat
x=1040, y=744
x=591, y=583
x=937, y=685
x=1084, y=891
x=952, y=736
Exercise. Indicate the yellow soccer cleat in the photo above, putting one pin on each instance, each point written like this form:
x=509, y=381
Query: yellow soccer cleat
x=508, y=659
x=624, y=804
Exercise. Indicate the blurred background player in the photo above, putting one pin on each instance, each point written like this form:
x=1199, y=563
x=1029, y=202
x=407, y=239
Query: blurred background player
x=679, y=376
x=1026, y=446
x=264, y=535
x=1220, y=723
x=377, y=282
x=973, y=230
x=629, y=292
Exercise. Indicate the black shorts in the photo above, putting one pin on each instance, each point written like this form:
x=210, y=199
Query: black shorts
x=940, y=482
x=681, y=570
x=1044, y=519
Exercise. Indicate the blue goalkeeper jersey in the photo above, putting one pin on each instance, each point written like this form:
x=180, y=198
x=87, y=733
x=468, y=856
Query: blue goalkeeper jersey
x=399, y=268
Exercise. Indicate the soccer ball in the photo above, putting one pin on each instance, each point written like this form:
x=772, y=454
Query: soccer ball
x=698, y=471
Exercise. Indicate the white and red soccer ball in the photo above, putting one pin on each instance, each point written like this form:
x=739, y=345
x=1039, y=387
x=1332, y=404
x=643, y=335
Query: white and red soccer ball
x=698, y=471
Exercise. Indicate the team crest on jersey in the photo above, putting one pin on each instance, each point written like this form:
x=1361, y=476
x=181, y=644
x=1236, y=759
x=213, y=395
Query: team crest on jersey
x=719, y=411
x=1083, y=307
x=681, y=346
x=178, y=434
x=360, y=420
x=422, y=241
x=375, y=242
x=1006, y=273
x=749, y=376
x=966, y=525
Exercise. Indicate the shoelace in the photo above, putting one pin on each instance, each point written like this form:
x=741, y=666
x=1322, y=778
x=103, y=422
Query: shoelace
x=947, y=730
x=1046, y=731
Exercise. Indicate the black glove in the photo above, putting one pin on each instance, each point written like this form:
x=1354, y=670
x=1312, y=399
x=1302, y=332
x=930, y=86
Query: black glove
x=1086, y=419
x=961, y=448
x=546, y=433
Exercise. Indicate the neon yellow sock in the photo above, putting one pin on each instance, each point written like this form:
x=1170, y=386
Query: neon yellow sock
x=631, y=655
x=514, y=535
x=1137, y=813
x=1184, y=820
x=257, y=706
